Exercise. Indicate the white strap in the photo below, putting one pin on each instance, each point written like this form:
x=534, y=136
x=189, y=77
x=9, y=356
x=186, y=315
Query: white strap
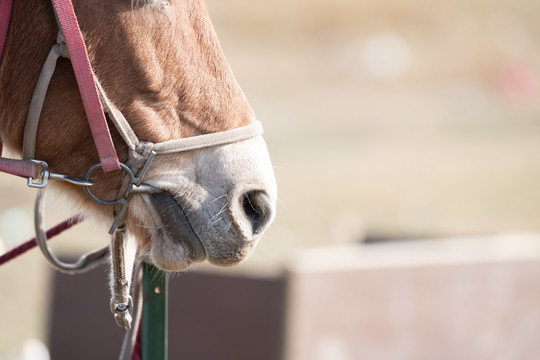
x=208, y=140
x=118, y=120
x=36, y=104
x=85, y=262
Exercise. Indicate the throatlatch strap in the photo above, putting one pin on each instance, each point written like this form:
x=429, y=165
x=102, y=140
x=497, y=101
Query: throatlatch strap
x=87, y=84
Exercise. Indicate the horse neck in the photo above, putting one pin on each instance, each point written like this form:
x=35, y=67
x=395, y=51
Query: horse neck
x=31, y=33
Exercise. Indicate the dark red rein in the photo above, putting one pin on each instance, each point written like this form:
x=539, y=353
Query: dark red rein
x=30, y=244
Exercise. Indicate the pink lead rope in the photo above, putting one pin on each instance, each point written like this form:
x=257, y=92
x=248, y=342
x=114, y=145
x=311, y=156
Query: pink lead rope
x=87, y=84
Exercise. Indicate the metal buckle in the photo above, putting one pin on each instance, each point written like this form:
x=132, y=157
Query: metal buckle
x=45, y=175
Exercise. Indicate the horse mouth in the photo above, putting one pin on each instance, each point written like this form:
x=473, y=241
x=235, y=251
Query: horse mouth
x=177, y=227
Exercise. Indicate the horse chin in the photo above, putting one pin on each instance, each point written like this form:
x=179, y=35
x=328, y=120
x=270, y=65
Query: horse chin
x=176, y=245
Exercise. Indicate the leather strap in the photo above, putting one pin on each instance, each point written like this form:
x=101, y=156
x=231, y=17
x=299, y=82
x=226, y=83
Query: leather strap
x=85, y=263
x=36, y=104
x=24, y=168
x=87, y=84
x=118, y=119
x=209, y=140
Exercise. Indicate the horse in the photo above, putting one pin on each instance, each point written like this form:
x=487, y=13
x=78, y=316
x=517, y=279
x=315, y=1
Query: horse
x=160, y=63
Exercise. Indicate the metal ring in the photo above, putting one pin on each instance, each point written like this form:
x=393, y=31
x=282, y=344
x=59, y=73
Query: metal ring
x=124, y=167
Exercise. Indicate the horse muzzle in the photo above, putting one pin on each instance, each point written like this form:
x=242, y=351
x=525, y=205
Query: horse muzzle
x=223, y=231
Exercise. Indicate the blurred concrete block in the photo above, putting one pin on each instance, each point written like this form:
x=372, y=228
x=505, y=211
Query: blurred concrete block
x=431, y=299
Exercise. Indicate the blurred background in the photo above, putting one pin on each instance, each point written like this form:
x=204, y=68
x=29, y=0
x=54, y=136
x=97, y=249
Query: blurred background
x=404, y=137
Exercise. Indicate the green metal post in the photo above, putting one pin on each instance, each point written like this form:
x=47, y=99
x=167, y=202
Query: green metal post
x=154, y=316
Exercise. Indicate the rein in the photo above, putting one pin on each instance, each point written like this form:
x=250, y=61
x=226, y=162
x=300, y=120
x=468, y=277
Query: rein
x=70, y=44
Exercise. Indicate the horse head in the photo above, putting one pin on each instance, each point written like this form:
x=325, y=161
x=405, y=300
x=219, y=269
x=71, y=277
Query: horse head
x=161, y=65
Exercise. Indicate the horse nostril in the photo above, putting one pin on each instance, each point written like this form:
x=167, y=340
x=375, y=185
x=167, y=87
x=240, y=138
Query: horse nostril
x=254, y=209
x=254, y=213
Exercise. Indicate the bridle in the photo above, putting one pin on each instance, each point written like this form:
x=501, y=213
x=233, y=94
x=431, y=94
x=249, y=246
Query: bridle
x=98, y=108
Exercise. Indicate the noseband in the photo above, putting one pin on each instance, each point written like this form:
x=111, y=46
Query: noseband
x=70, y=45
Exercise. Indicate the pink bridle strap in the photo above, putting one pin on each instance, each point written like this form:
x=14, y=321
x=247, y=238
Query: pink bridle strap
x=24, y=168
x=5, y=15
x=87, y=84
